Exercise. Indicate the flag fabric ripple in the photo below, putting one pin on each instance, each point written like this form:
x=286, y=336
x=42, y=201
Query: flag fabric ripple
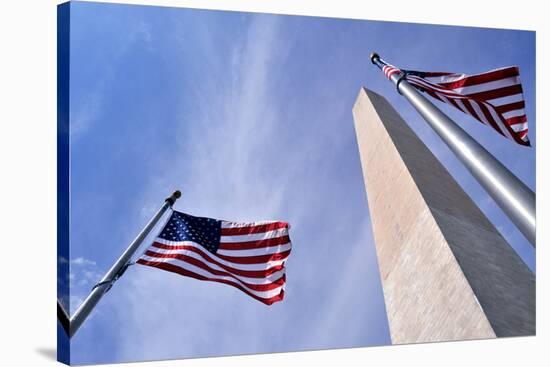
x=247, y=256
x=495, y=98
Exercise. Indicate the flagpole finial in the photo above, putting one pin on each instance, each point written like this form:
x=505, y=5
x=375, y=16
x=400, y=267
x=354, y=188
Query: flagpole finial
x=374, y=56
x=175, y=196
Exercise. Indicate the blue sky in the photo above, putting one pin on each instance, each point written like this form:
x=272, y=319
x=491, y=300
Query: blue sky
x=249, y=115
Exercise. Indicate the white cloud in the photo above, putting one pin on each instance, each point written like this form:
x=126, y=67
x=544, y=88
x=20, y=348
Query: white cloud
x=84, y=273
x=82, y=261
x=250, y=122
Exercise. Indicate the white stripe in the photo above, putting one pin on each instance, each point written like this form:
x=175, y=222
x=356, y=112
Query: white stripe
x=445, y=78
x=457, y=77
x=227, y=224
x=255, y=236
x=443, y=98
x=519, y=127
x=484, y=87
x=461, y=105
x=256, y=251
x=499, y=121
x=479, y=113
x=199, y=271
x=514, y=113
x=265, y=280
x=258, y=266
x=449, y=93
x=422, y=83
x=506, y=100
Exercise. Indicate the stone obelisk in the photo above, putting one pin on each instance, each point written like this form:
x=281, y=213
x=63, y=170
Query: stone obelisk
x=447, y=273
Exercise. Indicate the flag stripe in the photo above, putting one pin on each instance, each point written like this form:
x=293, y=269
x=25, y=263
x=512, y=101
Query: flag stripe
x=262, y=272
x=265, y=297
x=517, y=120
x=515, y=106
x=232, y=266
x=519, y=127
x=489, y=86
x=248, y=256
x=499, y=120
x=464, y=80
x=255, y=251
x=514, y=113
x=497, y=102
x=256, y=259
x=462, y=105
x=229, y=230
x=257, y=284
x=497, y=93
x=254, y=244
x=494, y=98
x=254, y=236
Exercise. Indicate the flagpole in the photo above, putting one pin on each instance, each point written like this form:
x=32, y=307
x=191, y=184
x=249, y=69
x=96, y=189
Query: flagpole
x=117, y=269
x=63, y=317
x=509, y=192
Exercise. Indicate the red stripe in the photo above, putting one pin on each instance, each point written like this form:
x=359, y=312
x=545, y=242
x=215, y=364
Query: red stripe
x=514, y=135
x=451, y=97
x=244, y=273
x=484, y=108
x=426, y=85
x=200, y=264
x=510, y=107
x=176, y=269
x=255, y=259
x=526, y=143
x=497, y=93
x=237, y=231
x=516, y=120
x=455, y=105
x=393, y=71
x=481, y=98
x=470, y=109
x=270, y=242
x=389, y=71
x=435, y=95
x=523, y=133
x=490, y=118
x=482, y=78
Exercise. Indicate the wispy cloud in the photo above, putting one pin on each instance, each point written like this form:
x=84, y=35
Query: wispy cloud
x=82, y=261
x=242, y=161
x=88, y=106
x=84, y=273
x=223, y=157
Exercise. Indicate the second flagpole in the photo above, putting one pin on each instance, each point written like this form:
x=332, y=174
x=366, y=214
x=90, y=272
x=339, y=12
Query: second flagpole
x=116, y=270
x=509, y=192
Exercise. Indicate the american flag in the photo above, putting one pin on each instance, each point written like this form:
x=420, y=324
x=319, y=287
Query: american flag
x=494, y=98
x=247, y=256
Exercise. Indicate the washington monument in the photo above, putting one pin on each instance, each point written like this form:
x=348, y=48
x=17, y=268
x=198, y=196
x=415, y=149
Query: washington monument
x=447, y=273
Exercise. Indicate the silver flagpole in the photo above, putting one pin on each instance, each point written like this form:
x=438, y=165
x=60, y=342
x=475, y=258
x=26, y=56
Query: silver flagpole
x=63, y=317
x=117, y=269
x=510, y=193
